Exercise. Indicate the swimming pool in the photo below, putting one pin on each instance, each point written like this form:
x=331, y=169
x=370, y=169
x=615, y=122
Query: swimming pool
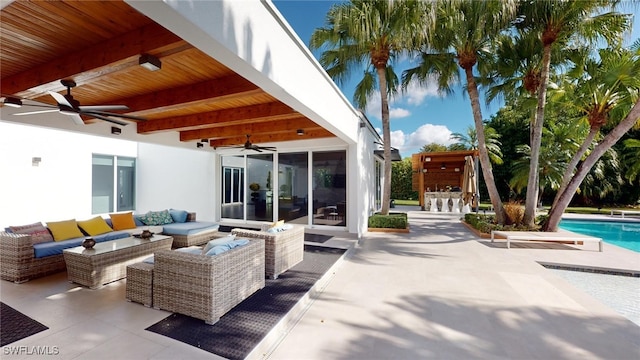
x=626, y=235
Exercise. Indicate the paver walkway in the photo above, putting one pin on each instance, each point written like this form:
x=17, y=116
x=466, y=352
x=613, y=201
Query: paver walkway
x=440, y=293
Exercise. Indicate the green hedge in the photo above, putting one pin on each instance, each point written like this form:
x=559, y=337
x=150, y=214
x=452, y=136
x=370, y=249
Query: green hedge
x=391, y=221
x=486, y=223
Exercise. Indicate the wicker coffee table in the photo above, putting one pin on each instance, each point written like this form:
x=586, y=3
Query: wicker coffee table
x=107, y=261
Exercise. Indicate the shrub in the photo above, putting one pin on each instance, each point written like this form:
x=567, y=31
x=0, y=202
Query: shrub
x=514, y=213
x=391, y=221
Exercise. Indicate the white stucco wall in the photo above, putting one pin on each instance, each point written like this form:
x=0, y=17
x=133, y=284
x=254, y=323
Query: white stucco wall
x=176, y=178
x=59, y=188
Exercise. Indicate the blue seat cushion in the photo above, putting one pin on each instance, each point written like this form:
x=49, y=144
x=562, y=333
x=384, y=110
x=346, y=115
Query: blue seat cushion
x=55, y=247
x=189, y=228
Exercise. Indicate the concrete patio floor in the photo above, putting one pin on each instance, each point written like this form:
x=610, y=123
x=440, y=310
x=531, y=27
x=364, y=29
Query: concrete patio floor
x=437, y=292
x=440, y=292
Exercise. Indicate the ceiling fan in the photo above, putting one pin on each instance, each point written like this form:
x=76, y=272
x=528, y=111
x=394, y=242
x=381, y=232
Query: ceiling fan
x=249, y=146
x=67, y=105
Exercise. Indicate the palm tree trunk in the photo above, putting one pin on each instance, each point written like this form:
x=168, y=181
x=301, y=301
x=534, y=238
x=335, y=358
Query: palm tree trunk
x=386, y=139
x=487, y=171
x=571, y=167
x=536, y=140
x=555, y=214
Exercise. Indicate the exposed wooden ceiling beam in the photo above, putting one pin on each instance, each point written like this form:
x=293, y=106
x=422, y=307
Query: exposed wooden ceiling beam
x=278, y=126
x=95, y=61
x=226, y=117
x=268, y=138
x=210, y=91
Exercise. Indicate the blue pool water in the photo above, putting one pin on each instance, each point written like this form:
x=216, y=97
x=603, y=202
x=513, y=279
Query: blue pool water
x=626, y=235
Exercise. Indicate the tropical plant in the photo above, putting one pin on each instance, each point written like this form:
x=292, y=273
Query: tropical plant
x=557, y=24
x=604, y=178
x=401, y=180
x=469, y=141
x=433, y=147
x=370, y=35
x=603, y=85
x=632, y=156
x=556, y=150
x=460, y=42
x=632, y=119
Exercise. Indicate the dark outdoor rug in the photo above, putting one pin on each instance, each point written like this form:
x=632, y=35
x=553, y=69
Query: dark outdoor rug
x=15, y=325
x=241, y=329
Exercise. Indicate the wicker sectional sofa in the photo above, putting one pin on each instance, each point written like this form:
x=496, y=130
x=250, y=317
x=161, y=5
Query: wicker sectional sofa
x=22, y=258
x=283, y=249
x=207, y=287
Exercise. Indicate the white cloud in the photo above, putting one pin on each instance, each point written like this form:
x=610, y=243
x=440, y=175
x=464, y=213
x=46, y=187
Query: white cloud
x=415, y=95
x=425, y=134
x=429, y=133
x=397, y=139
x=398, y=113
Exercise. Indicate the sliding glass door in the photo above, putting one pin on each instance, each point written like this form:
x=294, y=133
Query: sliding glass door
x=329, y=188
x=252, y=191
x=293, y=187
x=260, y=187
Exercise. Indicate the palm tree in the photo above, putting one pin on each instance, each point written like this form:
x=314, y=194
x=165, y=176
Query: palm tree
x=469, y=141
x=464, y=29
x=557, y=23
x=632, y=119
x=556, y=150
x=603, y=84
x=369, y=35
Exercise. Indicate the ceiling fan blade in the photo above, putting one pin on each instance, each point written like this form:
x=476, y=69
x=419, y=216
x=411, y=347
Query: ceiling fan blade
x=102, y=107
x=97, y=116
x=36, y=112
x=60, y=99
x=77, y=119
x=123, y=116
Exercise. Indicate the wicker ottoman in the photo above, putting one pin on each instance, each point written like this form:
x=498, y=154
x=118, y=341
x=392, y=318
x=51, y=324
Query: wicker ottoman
x=140, y=283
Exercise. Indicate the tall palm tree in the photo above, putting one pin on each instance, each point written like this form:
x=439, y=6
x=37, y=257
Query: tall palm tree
x=631, y=119
x=464, y=29
x=602, y=85
x=469, y=141
x=557, y=23
x=557, y=147
x=370, y=35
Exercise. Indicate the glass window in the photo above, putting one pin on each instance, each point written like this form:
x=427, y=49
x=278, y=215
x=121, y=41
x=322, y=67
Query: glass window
x=112, y=187
x=293, y=185
x=329, y=188
x=233, y=187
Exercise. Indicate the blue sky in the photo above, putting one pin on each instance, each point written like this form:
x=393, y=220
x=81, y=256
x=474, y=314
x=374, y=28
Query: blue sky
x=418, y=117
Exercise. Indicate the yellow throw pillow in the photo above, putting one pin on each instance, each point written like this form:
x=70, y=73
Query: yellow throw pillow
x=277, y=223
x=95, y=226
x=123, y=221
x=64, y=230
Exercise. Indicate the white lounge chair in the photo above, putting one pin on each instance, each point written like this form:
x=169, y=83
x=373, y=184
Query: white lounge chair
x=564, y=236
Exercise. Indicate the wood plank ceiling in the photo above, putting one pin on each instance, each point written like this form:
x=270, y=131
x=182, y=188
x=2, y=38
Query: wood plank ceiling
x=98, y=43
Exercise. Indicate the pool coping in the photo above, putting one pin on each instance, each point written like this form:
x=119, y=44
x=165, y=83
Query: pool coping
x=590, y=269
